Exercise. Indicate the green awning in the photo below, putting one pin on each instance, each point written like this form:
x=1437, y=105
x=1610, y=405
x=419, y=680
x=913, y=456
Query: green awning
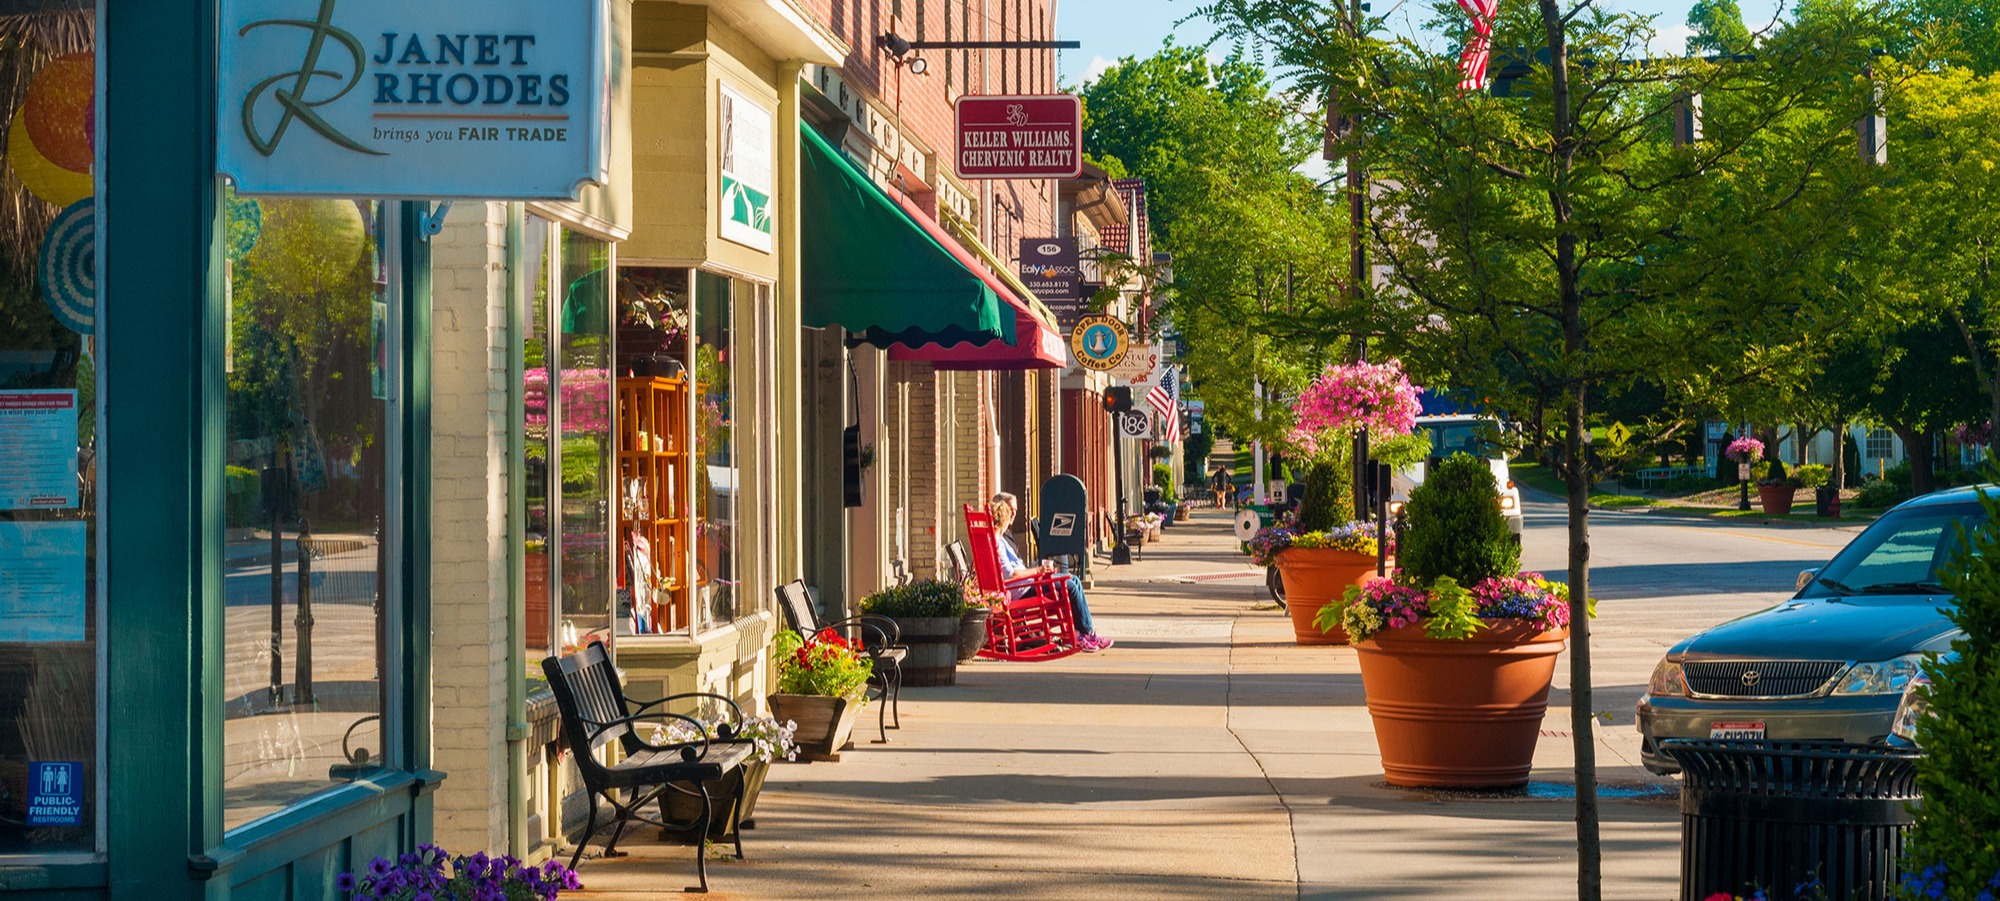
x=872, y=269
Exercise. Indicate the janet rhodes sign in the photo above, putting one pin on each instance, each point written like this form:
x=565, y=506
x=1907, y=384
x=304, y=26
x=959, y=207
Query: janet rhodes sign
x=426, y=99
x=1020, y=136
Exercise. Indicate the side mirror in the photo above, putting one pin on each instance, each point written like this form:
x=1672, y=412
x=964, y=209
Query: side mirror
x=1806, y=577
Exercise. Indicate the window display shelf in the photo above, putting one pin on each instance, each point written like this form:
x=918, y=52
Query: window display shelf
x=653, y=460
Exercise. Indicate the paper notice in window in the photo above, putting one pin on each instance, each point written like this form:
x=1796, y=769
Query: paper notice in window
x=38, y=450
x=41, y=581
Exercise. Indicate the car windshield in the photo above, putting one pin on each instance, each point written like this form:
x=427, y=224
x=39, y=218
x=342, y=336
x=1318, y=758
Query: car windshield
x=1469, y=436
x=1902, y=553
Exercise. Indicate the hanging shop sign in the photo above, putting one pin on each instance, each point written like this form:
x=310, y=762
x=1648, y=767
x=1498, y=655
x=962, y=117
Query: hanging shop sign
x=1135, y=424
x=1020, y=136
x=1099, y=342
x=1049, y=268
x=497, y=100
x=745, y=169
x=1141, y=366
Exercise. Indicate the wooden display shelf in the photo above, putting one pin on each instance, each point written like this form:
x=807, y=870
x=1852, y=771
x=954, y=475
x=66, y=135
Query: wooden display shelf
x=653, y=460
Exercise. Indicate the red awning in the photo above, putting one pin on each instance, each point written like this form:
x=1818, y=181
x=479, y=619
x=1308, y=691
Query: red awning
x=1037, y=346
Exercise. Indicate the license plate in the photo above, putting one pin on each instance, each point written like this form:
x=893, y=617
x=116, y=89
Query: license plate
x=1737, y=731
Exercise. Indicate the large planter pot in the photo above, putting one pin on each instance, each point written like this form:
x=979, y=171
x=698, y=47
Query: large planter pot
x=933, y=644
x=972, y=631
x=1181, y=513
x=1776, y=499
x=679, y=807
x=1459, y=713
x=1316, y=577
x=823, y=722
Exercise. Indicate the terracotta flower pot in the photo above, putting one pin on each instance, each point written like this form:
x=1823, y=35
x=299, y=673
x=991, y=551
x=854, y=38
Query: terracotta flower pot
x=1776, y=499
x=1316, y=577
x=1460, y=714
x=823, y=722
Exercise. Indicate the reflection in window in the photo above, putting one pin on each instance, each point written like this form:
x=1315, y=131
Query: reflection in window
x=305, y=566
x=48, y=433
x=715, y=443
x=540, y=617
x=585, y=405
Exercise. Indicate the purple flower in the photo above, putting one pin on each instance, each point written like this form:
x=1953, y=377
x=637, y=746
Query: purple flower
x=344, y=882
x=378, y=867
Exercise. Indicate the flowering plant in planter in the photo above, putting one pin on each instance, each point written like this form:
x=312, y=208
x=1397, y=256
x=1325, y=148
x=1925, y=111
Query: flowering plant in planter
x=1744, y=449
x=826, y=665
x=431, y=873
x=1447, y=609
x=769, y=739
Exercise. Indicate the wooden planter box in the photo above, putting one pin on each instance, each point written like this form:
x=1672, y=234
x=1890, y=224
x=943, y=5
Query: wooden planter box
x=824, y=723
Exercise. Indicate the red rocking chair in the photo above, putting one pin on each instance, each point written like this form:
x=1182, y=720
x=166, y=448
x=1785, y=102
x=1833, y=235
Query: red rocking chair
x=1035, y=626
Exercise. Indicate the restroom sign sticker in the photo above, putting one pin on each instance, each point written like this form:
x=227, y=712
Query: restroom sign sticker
x=55, y=794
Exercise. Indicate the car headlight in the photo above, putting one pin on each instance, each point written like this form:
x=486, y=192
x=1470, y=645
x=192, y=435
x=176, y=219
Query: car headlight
x=1880, y=678
x=1913, y=710
x=1506, y=502
x=1395, y=508
x=1668, y=681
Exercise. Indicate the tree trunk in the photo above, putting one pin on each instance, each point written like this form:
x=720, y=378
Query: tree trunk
x=1839, y=479
x=1589, y=877
x=1917, y=452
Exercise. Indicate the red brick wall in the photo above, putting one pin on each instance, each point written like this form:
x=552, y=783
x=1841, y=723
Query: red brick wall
x=1010, y=210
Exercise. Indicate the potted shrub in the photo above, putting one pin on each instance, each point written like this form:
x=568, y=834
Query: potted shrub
x=1776, y=489
x=1458, y=650
x=929, y=614
x=770, y=740
x=1321, y=553
x=822, y=685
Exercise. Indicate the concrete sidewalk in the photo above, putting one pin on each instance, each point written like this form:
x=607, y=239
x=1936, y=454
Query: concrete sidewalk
x=1206, y=756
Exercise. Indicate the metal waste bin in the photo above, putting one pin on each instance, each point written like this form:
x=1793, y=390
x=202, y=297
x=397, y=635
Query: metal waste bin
x=1781, y=815
x=1826, y=501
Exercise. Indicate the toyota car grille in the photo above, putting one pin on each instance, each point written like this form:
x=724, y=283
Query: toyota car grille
x=1759, y=678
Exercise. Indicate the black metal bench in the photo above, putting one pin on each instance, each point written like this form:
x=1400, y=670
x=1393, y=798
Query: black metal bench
x=877, y=637
x=596, y=711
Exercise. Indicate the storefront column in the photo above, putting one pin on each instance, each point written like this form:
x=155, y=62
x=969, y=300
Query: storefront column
x=789, y=420
x=162, y=283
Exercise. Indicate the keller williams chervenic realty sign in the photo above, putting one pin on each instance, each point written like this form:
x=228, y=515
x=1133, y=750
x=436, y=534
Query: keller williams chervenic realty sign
x=427, y=99
x=1025, y=136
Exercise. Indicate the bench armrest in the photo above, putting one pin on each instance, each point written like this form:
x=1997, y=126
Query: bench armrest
x=870, y=623
x=687, y=748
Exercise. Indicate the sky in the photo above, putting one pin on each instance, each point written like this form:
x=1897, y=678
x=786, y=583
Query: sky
x=1110, y=29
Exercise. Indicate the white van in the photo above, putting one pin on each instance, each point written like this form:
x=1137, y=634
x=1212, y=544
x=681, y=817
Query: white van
x=1462, y=433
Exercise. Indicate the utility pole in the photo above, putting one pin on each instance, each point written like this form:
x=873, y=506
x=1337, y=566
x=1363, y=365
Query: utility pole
x=1357, y=272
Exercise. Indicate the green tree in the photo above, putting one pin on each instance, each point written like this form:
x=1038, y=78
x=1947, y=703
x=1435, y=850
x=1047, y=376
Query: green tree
x=1718, y=29
x=1553, y=243
x=1218, y=148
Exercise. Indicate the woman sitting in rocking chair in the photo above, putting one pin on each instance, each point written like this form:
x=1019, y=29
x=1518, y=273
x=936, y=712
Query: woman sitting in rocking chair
x=1004, y=508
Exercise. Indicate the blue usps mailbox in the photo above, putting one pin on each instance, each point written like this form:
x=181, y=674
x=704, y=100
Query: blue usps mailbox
x=1063, y=529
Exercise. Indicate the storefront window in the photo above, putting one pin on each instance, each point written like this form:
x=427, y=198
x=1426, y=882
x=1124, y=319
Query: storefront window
x=566, y=351
x=653, y=448
x=306, y=565
x=585, y=511
x=716, y=473
x=49, y=589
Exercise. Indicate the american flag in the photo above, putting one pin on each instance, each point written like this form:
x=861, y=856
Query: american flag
x=1165, y=399
x=1472, y=64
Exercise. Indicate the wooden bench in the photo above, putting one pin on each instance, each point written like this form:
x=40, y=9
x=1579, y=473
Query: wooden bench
x=1660, y=475
x=595, y=711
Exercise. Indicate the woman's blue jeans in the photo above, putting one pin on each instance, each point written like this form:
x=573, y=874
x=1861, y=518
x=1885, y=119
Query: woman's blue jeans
x=1079, y=607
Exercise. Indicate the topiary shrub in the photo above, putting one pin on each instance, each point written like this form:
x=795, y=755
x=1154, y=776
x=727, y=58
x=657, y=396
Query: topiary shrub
x=1163, y=479
x=1455, y=527
x=1881, y=493
x=1329, y=499
x=1952, y=845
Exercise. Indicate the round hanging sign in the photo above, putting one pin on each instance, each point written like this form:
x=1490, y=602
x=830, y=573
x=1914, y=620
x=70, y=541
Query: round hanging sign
x=1098, y=342
x=69, y=266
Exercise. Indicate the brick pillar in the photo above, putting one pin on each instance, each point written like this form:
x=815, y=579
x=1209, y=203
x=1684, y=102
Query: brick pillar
x=469, y=556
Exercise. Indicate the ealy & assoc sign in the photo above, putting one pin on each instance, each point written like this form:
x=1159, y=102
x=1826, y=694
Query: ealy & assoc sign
x=432, y=99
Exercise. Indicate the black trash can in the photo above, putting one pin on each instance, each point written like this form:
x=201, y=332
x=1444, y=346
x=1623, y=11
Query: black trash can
x=1826, y=501
x=1781, y=815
